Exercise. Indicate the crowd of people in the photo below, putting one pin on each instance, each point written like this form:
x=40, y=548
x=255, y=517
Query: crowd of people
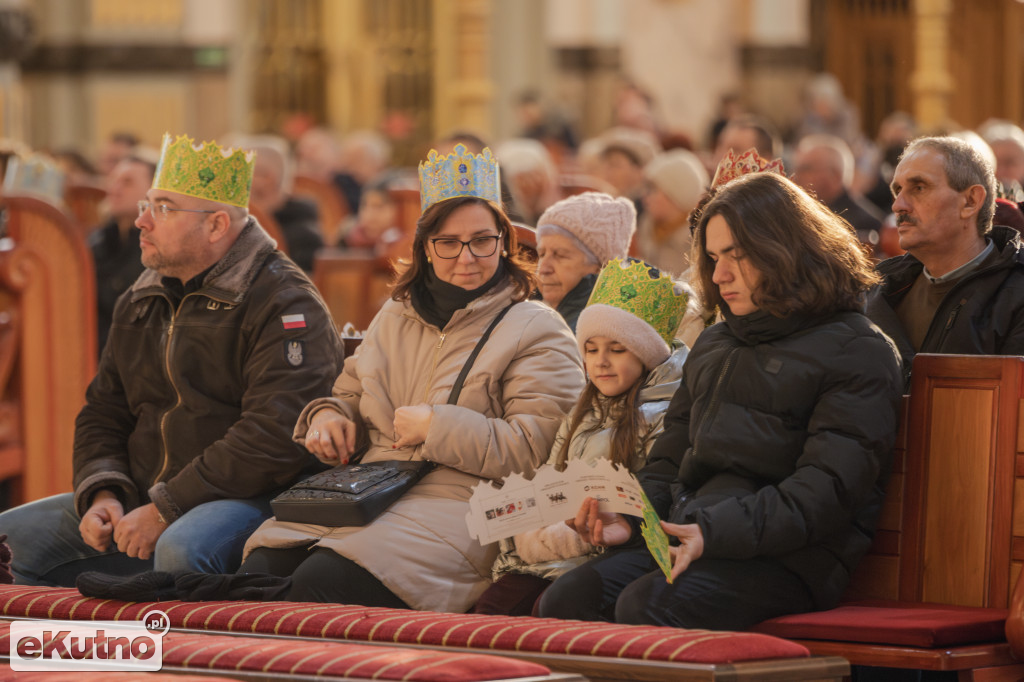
x=727, y=334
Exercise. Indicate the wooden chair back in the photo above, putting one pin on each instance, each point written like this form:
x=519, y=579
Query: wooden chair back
x=330, y=204
x=354, y=286
x=271, y=226
x=83, y=201
x=953, y=525
x=47, y=271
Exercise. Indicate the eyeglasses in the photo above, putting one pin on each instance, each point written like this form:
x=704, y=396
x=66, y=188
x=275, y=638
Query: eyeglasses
x=481, y=247
x=160, y=211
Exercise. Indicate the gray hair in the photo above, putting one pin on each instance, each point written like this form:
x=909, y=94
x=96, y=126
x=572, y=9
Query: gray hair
x=561, y=231
x=964, y=167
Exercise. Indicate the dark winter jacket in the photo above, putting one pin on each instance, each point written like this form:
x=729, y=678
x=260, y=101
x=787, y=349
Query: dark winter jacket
x=983, y=314
x=196, y=401
x=118, y=263
x=779, y=443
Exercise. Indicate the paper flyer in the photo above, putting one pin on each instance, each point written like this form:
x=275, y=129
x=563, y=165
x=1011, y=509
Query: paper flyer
x=521, y=505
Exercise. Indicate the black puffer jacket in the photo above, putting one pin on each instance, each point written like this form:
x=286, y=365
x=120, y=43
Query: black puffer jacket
x=982, y=315
x=198, y=403
x=779, y=443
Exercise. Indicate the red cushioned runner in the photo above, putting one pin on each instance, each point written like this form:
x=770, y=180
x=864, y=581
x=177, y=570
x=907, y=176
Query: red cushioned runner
x=900, y=623
x=8, y=675
x=359, y=623
x=227, y=653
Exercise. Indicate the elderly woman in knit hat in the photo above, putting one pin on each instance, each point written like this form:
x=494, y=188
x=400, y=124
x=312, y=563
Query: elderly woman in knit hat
x=677, y=182
x=575, y=238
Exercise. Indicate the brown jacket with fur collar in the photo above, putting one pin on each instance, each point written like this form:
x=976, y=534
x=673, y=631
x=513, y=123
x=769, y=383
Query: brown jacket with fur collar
x=195, y=402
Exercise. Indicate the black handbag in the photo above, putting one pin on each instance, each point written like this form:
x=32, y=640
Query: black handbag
x=354, y=494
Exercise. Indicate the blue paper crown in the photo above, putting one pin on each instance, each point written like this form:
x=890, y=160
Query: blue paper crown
x=35, y=175
x=460, y=174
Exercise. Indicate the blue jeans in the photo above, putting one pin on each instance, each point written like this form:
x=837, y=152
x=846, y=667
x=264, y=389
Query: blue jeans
x=48, y=548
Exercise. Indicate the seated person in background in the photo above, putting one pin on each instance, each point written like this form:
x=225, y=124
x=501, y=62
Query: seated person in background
x=529, y=171
x=777, y=446
x=184, y=437
x=824, y=167
x=115, y=243
x=363, y=156
x=376, y=224
x=633, y=372
x=960, y=286
x=271, y=187
x=391, y=401
x=677, y=181
x=575, y=238
x=623, y=154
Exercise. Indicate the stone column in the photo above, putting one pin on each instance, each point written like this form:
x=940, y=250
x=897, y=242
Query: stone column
x=931, y=81
x=15, y=39
x=464, y=93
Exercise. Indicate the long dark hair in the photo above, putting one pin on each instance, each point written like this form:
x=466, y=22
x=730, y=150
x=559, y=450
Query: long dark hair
x=411, y=272
x=810, y=259
x=627, y=422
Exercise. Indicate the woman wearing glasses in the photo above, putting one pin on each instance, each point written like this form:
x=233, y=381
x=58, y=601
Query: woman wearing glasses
x=391, y=400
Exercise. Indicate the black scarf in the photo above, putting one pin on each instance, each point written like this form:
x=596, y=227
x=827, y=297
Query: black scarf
x=436, y=300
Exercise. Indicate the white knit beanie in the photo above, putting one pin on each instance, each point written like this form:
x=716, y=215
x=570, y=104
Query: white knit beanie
x=680, y=175
x=603, y=224
x=638, y=306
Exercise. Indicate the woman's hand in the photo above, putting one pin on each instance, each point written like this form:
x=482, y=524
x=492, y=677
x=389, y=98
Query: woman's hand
x=603, y=529
x=412, y=424
x=691, y=545
x=331, y=437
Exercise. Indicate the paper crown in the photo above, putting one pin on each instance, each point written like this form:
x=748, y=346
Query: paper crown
x=732, y=166
x=459, y=174
x=35, y=175
x=205, y=172
x=643, y=291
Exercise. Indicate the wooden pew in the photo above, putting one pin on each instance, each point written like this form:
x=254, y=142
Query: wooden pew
x=353, y=285
x=47, y=281
x=933, y=593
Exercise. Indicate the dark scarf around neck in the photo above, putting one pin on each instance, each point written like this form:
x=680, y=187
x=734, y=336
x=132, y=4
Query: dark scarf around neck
x=436, y=300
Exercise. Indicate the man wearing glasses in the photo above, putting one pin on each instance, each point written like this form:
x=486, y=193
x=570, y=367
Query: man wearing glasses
x=186, y=431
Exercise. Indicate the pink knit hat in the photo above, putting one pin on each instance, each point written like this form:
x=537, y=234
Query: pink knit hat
x=603, y=225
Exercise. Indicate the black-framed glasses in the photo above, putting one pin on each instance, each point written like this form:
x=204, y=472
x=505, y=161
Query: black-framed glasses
x=161, y=211
x=481, y=247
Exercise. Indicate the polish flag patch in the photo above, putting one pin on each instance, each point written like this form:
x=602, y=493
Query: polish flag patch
x=294, y=321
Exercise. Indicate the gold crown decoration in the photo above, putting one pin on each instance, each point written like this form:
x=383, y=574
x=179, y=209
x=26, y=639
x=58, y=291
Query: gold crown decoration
x=35, y=175
x=205, y=171
x=732, y=166
x=643, y=291
x=459, y=174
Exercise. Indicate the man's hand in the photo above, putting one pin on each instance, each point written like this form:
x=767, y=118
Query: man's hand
x=602, y=529
x=138, y=531
x=412, y=424
x=691, y=545
x=98, y=523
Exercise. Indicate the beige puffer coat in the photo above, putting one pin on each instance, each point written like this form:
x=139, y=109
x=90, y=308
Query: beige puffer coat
x=525, y=379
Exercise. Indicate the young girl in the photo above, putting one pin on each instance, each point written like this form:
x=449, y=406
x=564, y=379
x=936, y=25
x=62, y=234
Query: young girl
x=624, y=334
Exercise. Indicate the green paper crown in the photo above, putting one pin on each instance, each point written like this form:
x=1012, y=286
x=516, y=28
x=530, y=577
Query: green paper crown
x=642, y=290
x=205, y=172
x=460, y=174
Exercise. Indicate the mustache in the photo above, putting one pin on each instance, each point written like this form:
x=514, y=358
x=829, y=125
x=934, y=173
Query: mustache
x=904, y=219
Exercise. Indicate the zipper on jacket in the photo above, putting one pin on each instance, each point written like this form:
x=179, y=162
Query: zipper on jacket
x=433, y=365
x=715, y=397
x=177, y=393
